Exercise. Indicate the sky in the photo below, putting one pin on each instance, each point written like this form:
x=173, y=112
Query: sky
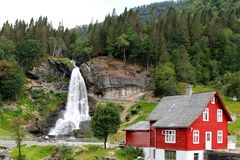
x=70, y=12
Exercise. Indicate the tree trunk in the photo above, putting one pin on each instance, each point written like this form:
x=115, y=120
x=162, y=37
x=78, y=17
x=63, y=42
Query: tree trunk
x=105, y=142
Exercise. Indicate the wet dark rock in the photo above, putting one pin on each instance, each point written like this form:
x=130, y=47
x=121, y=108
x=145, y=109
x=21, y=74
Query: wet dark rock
x=60, y=67
x=32, y=75
x=34, y=129
x=92, y=102
x=55, y=115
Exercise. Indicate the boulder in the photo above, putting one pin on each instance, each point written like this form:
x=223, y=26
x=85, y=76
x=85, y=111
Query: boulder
x=55, y=115
x=34, y=129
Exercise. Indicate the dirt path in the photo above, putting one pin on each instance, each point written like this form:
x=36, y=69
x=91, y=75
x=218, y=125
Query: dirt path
x=125, y=111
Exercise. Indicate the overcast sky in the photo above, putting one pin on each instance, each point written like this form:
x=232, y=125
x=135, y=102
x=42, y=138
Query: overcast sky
x=71, y=12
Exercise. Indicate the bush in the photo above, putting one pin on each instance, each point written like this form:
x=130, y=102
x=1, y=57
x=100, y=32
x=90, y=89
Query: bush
x=67, y=152
x=11, y=79
x=127, y=118
x=130, y=153
x=134, y=111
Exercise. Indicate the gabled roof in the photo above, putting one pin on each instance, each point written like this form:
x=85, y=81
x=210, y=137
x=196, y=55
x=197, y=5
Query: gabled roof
x=182, y=110
x=139, y=126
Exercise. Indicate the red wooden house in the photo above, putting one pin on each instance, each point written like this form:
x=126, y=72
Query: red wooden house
x=181, y=127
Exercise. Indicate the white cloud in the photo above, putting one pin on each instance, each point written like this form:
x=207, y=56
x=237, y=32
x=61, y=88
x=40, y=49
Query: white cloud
x=72, y=12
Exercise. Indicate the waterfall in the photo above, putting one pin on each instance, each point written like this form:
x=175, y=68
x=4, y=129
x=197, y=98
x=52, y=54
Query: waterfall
x=77, y=109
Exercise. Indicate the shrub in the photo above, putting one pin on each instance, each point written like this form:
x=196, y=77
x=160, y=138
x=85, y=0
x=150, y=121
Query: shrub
x=80, y=150
x=67, y=152
x=138, y=106
x=11, y=79
x=130, y=153
x=134, y=111
x=127, y=118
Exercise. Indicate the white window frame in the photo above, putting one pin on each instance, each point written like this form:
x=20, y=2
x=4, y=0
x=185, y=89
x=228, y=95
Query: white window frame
x=219, y=136
x=206, y=112
x=170, y=136
x=213, y=99
x=219, y=115
x=195, y=136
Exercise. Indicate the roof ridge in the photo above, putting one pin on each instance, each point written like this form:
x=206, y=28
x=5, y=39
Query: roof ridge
x=180, y=95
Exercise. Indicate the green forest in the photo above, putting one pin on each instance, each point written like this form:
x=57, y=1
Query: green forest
x=193, y=41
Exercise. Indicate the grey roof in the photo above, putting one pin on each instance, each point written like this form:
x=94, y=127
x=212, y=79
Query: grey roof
x=139, y=126
x=179, y=111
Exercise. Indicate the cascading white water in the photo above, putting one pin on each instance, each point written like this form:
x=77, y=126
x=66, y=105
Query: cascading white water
x=77, y=109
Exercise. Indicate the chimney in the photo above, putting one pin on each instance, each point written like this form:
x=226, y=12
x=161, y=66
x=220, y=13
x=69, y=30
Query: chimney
x=189, y=90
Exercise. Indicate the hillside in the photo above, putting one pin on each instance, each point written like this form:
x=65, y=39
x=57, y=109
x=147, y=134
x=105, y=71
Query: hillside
x=134, y=59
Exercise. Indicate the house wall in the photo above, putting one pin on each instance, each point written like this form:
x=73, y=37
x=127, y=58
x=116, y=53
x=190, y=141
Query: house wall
x=138, y=138
x=180, y=155
x=181, y=138
x=208, y=126
x=152, y=134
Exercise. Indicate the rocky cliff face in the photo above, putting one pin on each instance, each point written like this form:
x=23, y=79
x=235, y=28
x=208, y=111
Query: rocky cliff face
x=51, y=75
x=114, y=79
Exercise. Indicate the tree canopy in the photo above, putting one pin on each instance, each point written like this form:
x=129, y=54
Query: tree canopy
x=105, y=121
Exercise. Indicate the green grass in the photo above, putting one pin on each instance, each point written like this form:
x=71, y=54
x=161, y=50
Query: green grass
x=33, y=152
x=65, y=61
x=233, y=107
x=143, y=111
x=197, y=88
x=26, y=109
x=89, y=152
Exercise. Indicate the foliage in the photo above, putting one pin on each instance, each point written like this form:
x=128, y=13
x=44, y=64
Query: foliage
x=28, y=51
x=11, y=79
x=105, y=121
x=165, y=80
x=19, y=134
x=7, y=48
x=130, y=153
x=67, y=152
x=232, y=84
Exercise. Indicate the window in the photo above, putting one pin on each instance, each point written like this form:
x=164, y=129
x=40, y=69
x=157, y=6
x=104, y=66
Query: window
x=170, y=155
x=206, y=115
x=196, y=156
x=219, y=115
x=213, y=100
x=195, y=136
x=219, y=136
x=170, y=136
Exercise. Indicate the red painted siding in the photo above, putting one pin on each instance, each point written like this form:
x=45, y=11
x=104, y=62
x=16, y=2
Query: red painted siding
x=152, y=134
x=208, y=126
x=180, y=139
x=138, y=138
